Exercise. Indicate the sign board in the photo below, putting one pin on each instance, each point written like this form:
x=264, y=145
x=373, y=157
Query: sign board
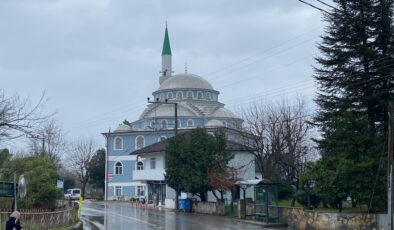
x=60, y=184
x=6, y=189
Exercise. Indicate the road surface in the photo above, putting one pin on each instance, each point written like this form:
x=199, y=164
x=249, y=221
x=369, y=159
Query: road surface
x=121, y=216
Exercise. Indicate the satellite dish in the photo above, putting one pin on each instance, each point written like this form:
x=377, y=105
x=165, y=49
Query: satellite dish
x=22, y=186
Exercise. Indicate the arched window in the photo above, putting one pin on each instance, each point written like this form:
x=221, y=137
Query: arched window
x=190, y=123
x=208, y=96
x=224, y=123
x=169, y=95
x=163, y=124
x=189, y=94
x=140, y=165
x=118, y=143
x=152, y=124
x=139, y=142
x=179, y=95
x=162, y=97
x=118, y=168
x=179, y=124
x=162, y=138
x=199, y=95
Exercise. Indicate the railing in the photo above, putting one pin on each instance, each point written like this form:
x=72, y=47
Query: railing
x=148, y=174
x=43, y=219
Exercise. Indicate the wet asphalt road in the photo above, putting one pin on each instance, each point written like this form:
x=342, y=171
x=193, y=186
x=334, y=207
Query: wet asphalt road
x=121, y=216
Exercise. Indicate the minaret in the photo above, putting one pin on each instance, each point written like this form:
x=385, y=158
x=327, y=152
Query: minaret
x=166, y=59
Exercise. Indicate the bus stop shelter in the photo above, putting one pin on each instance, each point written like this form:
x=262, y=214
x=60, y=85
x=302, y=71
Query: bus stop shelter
x=265, y=200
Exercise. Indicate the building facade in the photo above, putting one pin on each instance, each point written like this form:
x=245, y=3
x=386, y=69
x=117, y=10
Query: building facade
x=136, y=150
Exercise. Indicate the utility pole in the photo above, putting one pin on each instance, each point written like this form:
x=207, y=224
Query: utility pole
x=175, y=130
x=390, y=142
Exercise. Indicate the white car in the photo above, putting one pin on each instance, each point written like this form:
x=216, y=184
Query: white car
x=73, y=194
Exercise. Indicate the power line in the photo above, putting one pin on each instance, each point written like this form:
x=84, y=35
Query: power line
x=313, y=6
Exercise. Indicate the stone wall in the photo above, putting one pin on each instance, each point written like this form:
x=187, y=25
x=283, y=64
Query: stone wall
x=208, y=208
x=298, y=218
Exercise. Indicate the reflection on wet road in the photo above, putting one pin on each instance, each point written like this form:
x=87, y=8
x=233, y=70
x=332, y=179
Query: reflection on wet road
x=121, y=216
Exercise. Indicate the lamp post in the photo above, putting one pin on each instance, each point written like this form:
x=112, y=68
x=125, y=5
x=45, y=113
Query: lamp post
x=244, y=187
x=175, y=129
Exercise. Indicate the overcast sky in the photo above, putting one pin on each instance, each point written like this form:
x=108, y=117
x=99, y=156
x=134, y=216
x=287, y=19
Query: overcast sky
x=98, y=60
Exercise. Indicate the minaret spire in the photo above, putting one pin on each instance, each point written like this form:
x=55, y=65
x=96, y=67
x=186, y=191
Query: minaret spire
x=166, y=58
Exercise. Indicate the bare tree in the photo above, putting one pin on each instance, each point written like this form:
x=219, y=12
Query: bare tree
x=280, y=138
x=79, y=159
x=49, y=141
x=18, y=117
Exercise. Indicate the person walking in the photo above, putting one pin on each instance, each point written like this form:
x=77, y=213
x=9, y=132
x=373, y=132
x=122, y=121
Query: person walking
x=13, y=222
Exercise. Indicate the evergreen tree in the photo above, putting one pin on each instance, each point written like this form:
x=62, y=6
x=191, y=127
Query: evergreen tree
x=355, y=82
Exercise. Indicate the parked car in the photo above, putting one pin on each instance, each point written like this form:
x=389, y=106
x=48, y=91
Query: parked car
x=73, y=194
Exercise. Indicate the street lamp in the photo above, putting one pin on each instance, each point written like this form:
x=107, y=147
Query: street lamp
x=244, y=187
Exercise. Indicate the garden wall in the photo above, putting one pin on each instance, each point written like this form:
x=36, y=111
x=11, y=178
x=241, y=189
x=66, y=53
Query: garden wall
x=208, y=207
x=297, y=218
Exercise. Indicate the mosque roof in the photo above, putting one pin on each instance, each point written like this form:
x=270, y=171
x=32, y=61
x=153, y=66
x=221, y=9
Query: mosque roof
x=185, y=81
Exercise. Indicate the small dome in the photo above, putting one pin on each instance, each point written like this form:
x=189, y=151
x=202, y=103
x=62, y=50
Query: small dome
x=214, y=123
x=123, y=128
x=185, y=81
x=223, y=112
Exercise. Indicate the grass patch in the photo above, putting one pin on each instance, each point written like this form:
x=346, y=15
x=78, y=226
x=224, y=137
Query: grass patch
x=287, y=203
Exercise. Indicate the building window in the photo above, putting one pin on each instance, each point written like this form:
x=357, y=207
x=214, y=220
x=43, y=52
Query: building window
x=162, y=97
x=199, y=95
x=208, y=96
x=162, y=138
x=140, y=165
x=169, y=95
x=190, y=94
x=224, y=123
x=139, y=142
x=118, y=168
x=153, y=163
x=163, y=124
x=152, y=124
x=179, y=95
x=140, y=191
x=118, y=144
x=190, y=123
x=179, y=124
x=118, y=190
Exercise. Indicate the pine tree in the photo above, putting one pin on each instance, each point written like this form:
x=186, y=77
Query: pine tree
x=355, y=74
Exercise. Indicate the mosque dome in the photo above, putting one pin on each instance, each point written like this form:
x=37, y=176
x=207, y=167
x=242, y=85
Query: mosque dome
x=185, y=81
x=214, y=123
x=123, y=128
x=223, y=112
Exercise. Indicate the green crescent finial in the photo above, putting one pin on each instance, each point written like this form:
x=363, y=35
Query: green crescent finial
x=166, y=44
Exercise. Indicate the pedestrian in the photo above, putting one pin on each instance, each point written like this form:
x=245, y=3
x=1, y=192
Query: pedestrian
x=13, y=222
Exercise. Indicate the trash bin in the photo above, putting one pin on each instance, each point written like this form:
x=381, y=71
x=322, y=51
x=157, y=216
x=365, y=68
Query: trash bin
x=182, y=204
x=188, y=205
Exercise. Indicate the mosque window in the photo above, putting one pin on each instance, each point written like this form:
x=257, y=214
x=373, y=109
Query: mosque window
x=179, y=95
x=190, y=123
x=208, y=96
x=140, y=165
x=152, y=124
x=179, y=123
x=139, y=142
x=162, y=138
x=118, y=168
x=224, y=123
x=163, y=124
x=199, y=95
x=169, y=95
x=118, y=144
x=189, y=94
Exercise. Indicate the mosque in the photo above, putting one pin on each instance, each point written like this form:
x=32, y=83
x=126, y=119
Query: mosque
x=136, y=150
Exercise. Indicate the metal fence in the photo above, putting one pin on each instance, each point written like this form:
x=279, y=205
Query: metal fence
x=43, y=219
